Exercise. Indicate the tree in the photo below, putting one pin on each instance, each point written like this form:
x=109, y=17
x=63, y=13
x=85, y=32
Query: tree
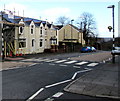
x=87, y=24
x=63, y=20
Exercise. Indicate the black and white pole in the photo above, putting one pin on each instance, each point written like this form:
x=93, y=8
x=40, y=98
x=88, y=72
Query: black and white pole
x=113, y=46
x=2, y=52
x=113, y=33
x=2, y=47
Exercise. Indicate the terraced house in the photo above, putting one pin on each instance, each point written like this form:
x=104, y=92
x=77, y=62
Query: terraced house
x=25, y=35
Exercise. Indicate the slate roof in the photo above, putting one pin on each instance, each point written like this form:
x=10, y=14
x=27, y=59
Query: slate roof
x=27, y=20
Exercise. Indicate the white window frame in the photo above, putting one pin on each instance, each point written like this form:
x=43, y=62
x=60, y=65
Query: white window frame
x=20, y=30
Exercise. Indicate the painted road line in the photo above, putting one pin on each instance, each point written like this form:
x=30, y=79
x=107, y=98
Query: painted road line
x=58, y=94
x=70, y=62
x=49, y=99
x=81, y=63
x=92, y=64
x=46, y=60
x=55, y=84
x=51, y=60
x=34, y=95
x=63, y=65
x=51, y=64
x=32, y=64
x=80, y=72
x=60, y=61
x=76, y=66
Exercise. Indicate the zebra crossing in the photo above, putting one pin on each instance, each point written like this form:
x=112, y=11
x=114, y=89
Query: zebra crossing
x=62, y=62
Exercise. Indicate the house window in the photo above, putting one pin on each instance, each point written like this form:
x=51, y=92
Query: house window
x=32, y=28
x=33, y=41
x=53, y=42
x=41, y=30
x=21, y=30
x=41, y=42
x=22, y=43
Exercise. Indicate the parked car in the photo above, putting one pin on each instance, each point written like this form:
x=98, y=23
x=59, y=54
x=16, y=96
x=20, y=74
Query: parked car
x=93, y=49
x=88, y=49
x=116, y=51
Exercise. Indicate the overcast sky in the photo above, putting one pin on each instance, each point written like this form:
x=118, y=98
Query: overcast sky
x=50, y=10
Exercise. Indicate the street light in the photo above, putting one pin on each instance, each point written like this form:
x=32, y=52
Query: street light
x=71, y=35
x=113, y=6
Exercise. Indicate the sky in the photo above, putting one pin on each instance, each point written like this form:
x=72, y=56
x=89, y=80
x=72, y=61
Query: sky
x=50, y=10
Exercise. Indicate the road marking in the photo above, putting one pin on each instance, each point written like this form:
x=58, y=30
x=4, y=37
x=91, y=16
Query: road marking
x=57, y=83
x=51, y=60
x=70, y=62
x=92, y=64
x=81, y=63
x=51, y=64
x=80, y=72
x=34, y=95
x=49, y=99
x=63, y=65
x=58, y=94
x=32, y=64
x=60, y=61
x=12, y=68
x=44, y=60
x=76, y=67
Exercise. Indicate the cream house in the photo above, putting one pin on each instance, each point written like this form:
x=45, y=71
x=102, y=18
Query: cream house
x=34, y=36
x=70, y=36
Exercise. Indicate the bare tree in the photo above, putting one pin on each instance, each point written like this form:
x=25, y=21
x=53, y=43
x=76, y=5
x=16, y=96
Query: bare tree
x=87, y=24
x=63, y=20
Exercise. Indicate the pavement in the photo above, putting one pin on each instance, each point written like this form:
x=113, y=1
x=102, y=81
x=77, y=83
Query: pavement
x=96, y=57
x=101, y=82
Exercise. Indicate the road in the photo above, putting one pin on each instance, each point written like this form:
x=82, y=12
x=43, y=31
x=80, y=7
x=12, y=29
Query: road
x=44, y=78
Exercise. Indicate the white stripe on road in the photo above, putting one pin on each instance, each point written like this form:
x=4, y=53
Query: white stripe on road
x=58, y=94
x=63, y=65
x=81, y=63
x=60, y=61
x=92, y=64
x=44, y=60
x=33, y=64
x=51, y=60
x=33, y=96
x=76, y=67
x=80, y=72
x=70, y=62
x=57, y=83
x=51, y=64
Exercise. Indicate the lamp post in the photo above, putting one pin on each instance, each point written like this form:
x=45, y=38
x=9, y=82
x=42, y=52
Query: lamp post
x=113, y=56
x=71, y=35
